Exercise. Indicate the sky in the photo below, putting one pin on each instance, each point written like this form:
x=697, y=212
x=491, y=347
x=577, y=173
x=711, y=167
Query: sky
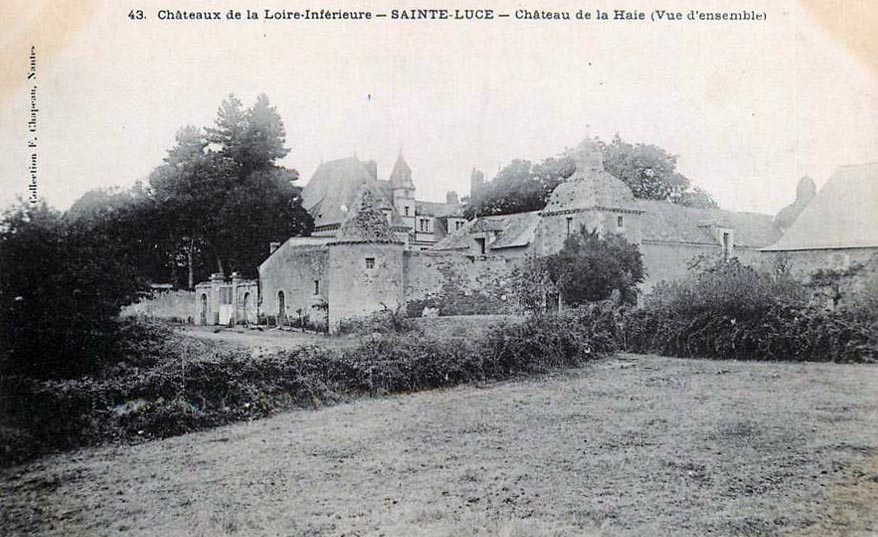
x=749, y=108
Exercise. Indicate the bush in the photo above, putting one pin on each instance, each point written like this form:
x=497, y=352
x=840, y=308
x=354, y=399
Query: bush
x=164, y=384
x=729, y=311
x=592, y=268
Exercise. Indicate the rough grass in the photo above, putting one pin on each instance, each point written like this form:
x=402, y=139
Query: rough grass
x=626, y=446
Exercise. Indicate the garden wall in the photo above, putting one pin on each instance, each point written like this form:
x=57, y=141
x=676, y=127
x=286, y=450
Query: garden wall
x=455, y=284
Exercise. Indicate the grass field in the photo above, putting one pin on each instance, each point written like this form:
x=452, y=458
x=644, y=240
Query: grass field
x=631, y=445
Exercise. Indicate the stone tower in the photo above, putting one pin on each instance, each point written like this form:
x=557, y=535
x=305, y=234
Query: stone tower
x=591, y=197
x=365, y=265
x=403, y=191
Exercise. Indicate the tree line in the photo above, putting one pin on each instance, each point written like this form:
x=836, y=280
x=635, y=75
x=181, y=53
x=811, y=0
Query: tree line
x=214, y=204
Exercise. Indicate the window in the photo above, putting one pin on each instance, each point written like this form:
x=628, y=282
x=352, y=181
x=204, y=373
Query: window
x=407, y=210
x=457, y=225
x=387, y=214
x=316, y=287
x=569, y=224
x=620, y=222
x=425, y=225
x=480, y=243
x=370, y=263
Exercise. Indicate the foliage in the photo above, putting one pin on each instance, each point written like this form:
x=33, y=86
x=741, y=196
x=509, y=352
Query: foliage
x=590, y=268
x=166, y=384
x=533, y=286
x=520, y=187
x=214, y=204
x=229, y=203
x=382, y=322
x=650, y=172
x=62, y=284
x=729, y=311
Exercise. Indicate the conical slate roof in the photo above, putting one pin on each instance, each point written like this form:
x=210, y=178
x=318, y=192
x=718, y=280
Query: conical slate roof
x=843, y=215
x=365, y=223
x=590, y=186
x=401, y=176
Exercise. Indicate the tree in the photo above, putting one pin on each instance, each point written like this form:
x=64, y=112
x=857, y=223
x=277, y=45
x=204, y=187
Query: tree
x=590, y=268
x=648, y=170
x=264, y=208
x=520, y=187
x=62, y=283
x=222, y=194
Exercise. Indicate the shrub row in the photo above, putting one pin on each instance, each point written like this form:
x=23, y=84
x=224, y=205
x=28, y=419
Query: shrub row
x=171, y=385
x=781, y=332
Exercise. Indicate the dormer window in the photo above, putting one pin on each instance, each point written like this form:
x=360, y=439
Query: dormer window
x=425, y=225
x=457, y=225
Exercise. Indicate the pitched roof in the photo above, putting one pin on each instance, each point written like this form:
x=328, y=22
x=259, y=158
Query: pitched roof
x=843, y=215
x=365, y=222
x=663, y=221
x=513, y=230
x=439, y=209
x=401, y=176
x=333, y=189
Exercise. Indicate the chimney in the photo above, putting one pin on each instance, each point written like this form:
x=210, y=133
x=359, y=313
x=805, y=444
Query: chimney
x=476, y=181
x=272, y=246
x=451, y=198
x=372, y=168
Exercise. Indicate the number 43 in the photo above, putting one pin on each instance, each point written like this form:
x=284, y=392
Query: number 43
x=135, y=15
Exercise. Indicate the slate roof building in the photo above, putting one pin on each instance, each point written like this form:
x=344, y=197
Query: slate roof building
x=669, y=235
x=419, y=224
x=839, y=227
x=376, y=247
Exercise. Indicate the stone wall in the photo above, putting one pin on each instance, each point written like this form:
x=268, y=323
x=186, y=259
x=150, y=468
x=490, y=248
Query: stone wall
x=670, y=261
x=834, y=277
x=553, y=229
x=451, y=283
x=293, y=270
x=364, y=278
x=168, y=305
x=803, y=263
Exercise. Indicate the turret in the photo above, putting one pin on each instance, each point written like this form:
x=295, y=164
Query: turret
x=403, y=191
x=365, y=264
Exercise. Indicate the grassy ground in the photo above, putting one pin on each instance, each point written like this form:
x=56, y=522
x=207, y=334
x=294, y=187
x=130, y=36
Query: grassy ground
x=627, y=446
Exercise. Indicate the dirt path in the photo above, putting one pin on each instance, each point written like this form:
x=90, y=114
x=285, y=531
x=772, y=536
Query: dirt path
x=629, y=446
x=263, y=340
